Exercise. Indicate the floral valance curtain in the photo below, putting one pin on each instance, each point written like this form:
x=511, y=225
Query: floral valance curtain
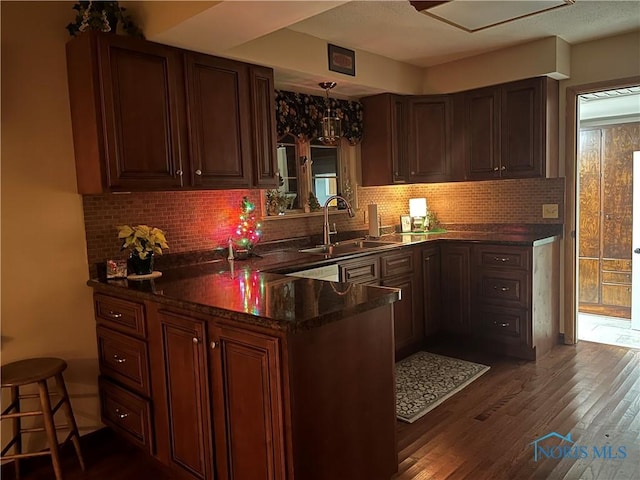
x=301, y=115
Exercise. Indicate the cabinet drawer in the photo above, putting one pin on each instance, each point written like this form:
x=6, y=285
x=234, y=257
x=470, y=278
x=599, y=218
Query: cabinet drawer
x=504, y=287
x=503, y=256
x=119, y=314
x=502, y=324
x=360, y=271
x=124, y=359
x=623, y=278
x=396, y=264
x=619, y=295
x=616, y=265
x=126, y=413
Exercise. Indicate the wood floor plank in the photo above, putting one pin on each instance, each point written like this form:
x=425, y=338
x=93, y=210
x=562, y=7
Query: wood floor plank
x=482, y=433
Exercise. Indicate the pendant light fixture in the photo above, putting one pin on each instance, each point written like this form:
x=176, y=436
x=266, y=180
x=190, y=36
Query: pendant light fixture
x=331, y=130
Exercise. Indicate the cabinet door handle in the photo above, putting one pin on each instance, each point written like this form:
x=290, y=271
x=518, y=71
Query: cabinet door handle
x=501, y=324
x=179, y=172
x=195, y=340
x=213, y=345
x=495, y=169
x=501, y=259
x=198, y=172
x=503, y=168
x=120, y=414
x=119, y=359
x=502, y=289
x=113, y=314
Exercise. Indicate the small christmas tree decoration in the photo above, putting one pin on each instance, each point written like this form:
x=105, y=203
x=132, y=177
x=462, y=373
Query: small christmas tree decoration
x=249, y=229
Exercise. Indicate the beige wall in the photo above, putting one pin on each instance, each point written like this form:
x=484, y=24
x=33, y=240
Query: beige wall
x=46, y=306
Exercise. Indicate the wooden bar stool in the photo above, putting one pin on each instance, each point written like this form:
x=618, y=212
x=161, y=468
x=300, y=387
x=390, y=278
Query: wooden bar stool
x=38, y=370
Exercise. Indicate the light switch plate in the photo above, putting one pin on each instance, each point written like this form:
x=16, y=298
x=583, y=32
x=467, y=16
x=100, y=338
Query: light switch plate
x=550, y=210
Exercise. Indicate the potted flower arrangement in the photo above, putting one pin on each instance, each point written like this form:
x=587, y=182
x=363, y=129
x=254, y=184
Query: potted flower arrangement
x=144, y=242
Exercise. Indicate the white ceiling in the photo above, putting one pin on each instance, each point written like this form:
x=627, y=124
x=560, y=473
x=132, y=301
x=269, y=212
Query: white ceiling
x=394, y=29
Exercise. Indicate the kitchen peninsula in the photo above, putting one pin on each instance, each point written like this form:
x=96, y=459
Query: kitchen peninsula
x=235, y=373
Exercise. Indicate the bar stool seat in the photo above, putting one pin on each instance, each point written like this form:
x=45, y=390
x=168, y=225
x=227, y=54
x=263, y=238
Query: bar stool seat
x=38, y=370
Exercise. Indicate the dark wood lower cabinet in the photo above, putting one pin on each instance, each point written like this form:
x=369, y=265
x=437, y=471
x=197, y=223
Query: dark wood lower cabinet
x=247, y=404
x=431, y=290
x=185, y=389
x=456, y=291
x=233, y=401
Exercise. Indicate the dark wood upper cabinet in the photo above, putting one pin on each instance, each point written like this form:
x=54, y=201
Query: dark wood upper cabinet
x=127, y=112
x=263, y=99
x=384, y=140
x=511, y=130
x=430, y=136
x=148, y=116
x=503, y=131
x=219, y=121
x=481, y=133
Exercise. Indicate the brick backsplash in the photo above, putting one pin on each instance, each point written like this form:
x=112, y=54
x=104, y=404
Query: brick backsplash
x=493, y=201
x=202, y=220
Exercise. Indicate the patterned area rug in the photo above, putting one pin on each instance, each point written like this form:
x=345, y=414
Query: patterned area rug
x=425, y=380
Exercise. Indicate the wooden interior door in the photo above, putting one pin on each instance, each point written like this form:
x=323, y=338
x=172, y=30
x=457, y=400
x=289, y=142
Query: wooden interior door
x=605, y=223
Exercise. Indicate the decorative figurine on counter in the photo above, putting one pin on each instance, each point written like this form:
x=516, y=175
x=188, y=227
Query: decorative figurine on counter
x=314, y=205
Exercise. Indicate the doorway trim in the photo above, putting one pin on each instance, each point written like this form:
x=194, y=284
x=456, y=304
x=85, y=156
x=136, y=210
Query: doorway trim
x=571, y=154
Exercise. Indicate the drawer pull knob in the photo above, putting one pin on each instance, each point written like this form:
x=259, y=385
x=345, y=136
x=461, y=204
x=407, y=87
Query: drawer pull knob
x=195, y=340
x=502, y=325
x=119, y=359
x=501, y=259
x=121, y=414
x=213, y=345
x=502, y=289
x=113, y=314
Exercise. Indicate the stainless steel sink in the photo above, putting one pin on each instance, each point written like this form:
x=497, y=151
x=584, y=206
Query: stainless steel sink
x=348, y=247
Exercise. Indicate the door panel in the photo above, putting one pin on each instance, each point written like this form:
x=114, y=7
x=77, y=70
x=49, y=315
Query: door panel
x=142, y=113
x=247, y=404
x=220, y=144
x=522, y=142
x=186, y=387
x=430, y=123
x=589, y=177
x=589, y=280
x=618, y=144
x=482, y=133
x=456, y=291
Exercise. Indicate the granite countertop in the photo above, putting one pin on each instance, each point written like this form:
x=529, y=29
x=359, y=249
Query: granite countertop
x=248, y=295
x=246, y=291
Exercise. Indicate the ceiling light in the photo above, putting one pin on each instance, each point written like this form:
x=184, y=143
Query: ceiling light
x=330, y=131
x=476, y=15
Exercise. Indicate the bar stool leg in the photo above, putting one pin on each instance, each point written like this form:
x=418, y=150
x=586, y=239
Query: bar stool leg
x=15, y=399
x=50, y=428
x=71, y=421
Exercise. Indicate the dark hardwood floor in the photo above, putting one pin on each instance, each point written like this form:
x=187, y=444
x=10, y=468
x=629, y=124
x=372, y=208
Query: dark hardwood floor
x=591, y=391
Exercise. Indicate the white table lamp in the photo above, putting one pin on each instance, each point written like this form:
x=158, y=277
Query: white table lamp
x=418, y=213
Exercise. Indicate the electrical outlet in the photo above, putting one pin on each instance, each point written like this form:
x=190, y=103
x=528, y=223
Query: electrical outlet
x=550, y=210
